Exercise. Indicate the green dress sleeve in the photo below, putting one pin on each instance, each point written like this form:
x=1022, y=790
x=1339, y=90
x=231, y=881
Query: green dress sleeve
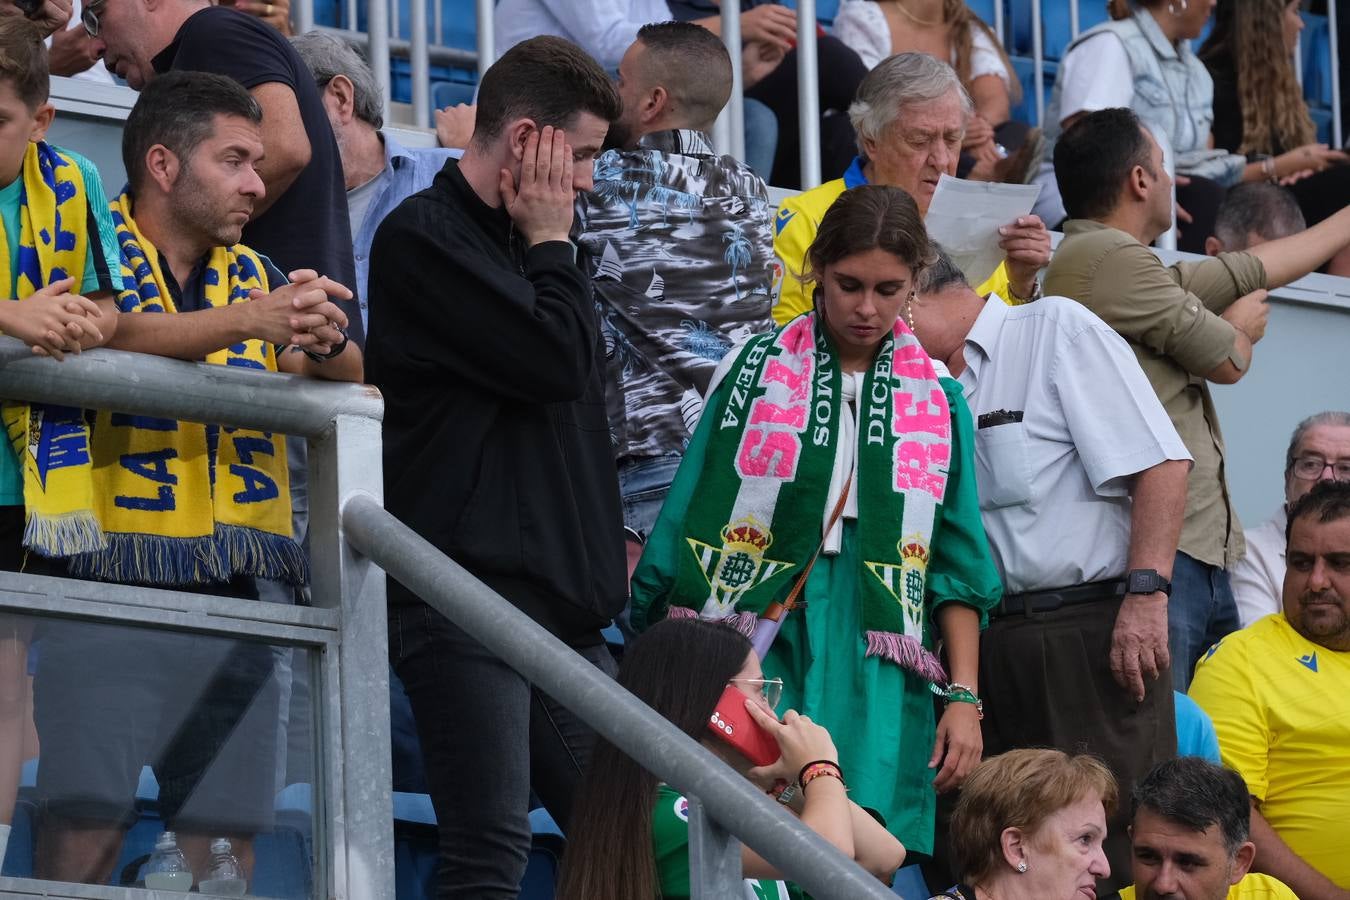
x=962, y=569
x=654, y=577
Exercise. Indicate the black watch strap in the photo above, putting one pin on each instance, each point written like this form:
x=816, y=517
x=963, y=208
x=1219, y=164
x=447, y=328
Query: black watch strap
x=337, y=348
x=1146, y=581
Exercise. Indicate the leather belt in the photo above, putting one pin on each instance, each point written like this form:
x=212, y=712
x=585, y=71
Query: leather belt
x=1032, y=602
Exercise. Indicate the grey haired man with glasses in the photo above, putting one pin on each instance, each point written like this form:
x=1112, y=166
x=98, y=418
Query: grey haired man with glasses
x=1319, y=450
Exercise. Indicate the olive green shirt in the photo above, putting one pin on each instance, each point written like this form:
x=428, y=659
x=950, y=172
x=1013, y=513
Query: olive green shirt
x=1170, y=315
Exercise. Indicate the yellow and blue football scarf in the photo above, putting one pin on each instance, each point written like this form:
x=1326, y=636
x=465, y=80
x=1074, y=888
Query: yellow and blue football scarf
x=51, y=442
x=179, y=502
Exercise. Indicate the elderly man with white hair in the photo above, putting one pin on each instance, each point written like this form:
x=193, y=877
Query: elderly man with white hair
x=910, y=114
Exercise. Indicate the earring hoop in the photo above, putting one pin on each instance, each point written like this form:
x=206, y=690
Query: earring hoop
x=1022, y=867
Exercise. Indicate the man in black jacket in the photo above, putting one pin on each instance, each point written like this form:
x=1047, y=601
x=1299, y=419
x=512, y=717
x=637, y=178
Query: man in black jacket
x=485, y=342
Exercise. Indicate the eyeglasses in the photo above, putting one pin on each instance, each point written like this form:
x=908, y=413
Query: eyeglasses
x=770, y=688
x=89, y=17
x=1310, y=468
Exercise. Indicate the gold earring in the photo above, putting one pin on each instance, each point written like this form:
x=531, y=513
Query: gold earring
x=909, y=310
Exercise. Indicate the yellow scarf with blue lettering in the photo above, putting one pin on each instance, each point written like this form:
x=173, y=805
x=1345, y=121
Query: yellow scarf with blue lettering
x=179, y=502
x=51, y=442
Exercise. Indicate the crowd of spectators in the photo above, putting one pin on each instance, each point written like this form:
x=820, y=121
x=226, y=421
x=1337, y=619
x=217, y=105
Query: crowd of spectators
x=966, y=557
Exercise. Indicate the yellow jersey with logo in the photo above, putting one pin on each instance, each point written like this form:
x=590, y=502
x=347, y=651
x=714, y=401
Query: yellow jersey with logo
x=795, y=227
x=1252, y=887
x=1281, y=708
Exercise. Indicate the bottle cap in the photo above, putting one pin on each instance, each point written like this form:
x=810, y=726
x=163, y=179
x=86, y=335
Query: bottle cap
x=220, y=845
x=166, y=840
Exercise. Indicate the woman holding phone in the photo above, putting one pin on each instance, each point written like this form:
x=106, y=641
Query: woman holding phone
x=629, y=836
x=833, y=465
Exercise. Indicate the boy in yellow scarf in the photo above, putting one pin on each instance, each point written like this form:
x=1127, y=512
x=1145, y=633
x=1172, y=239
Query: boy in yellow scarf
x=205, y=508
x=58, y=256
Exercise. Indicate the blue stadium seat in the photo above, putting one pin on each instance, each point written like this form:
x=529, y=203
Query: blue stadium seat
x=1025, y=68
x=415, y=851
x=910, y=885
x=984, y=9
x=1322, y=119
x=1057, y=25
x=1315, y=44
x=19, y=850
x=825, y=10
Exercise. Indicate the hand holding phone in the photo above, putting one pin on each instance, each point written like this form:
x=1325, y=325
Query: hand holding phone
x=733, y=723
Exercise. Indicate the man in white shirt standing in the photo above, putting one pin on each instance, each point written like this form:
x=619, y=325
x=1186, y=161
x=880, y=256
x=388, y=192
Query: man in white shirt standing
x=1318, y=451
x=1082, y=483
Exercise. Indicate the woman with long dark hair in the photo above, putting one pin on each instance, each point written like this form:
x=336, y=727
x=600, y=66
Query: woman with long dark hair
x=1259, y=109
x=629, y=834
x=833, y=464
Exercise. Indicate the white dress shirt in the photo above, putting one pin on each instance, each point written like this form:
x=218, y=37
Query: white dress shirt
x=1054, y=487
x=603, y=28
x=1258, y=578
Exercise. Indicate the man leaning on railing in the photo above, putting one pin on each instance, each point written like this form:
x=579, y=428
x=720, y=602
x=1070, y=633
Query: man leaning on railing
x=178, y=505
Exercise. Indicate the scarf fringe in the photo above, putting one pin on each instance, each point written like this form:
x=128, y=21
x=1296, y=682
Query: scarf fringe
x=261, y=553
x=63, y=535
x=907, y=653
x=135, y=558
x=744, y=622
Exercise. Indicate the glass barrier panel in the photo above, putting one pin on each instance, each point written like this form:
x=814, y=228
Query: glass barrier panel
x=137, y=757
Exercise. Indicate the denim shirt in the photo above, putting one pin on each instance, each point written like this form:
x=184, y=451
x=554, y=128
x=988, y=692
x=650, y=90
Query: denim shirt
x=408, y=171
x=1173, y=96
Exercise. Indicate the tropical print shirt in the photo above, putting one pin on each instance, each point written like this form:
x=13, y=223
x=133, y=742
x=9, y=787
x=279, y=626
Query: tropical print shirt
x=680, y=242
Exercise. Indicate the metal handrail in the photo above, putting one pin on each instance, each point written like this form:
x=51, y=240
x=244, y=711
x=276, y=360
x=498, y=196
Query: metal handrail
x=620, y=718
x=808, y=94
x=140, y=384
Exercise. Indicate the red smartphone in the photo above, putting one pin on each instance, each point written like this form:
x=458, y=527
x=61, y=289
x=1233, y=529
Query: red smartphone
x=732, y=723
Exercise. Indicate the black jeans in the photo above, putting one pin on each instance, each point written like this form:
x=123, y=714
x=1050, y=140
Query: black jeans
x=488, y=736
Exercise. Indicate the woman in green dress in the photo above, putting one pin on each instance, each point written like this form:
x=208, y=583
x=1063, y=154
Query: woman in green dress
x=833, y=465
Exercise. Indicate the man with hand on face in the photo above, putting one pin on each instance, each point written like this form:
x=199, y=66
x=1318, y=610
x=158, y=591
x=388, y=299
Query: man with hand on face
x=1279, y=694
x=1190, y=837
x=910, y=115
x=485, y=341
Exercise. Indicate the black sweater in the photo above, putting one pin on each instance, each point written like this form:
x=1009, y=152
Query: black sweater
x=496, y=441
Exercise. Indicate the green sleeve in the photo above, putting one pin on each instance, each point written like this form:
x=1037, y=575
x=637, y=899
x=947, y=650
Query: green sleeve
x=654, y=577
x=104, y=242
x=962, y=569
x=670, y=843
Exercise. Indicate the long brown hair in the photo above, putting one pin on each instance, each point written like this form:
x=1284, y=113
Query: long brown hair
x=679, y=668
x=961, y=22
x=1250, y=33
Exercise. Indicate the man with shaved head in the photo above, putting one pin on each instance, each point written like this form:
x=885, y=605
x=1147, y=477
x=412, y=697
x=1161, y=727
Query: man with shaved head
x=681, y=247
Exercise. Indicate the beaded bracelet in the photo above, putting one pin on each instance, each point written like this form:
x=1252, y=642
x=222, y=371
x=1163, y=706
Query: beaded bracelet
x=822, y=769
x=819, y=762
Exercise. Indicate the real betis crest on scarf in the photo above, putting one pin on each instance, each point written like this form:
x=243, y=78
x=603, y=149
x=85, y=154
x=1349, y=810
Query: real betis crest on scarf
x=759, y=506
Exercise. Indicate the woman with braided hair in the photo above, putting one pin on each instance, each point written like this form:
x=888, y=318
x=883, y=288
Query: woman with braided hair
x=951, y=32
x=1259, y=109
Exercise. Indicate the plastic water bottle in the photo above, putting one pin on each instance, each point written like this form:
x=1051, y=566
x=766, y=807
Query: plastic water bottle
x=167, y=869
x=225, y=876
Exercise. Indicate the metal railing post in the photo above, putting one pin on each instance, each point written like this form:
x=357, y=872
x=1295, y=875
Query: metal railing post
x=1074, y=22
x=1334, y=37
x=377, y=26
x=304, y=16
x=715, y=871
x=419, y=65
x=729, y=131
x=616, y=715
x=344, y=460
x=808, y=93
x=487, y=35
x=1168, y=239
x=1038, y=60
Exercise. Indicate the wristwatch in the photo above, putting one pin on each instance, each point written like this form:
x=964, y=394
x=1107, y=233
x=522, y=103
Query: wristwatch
x=1146, y=581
